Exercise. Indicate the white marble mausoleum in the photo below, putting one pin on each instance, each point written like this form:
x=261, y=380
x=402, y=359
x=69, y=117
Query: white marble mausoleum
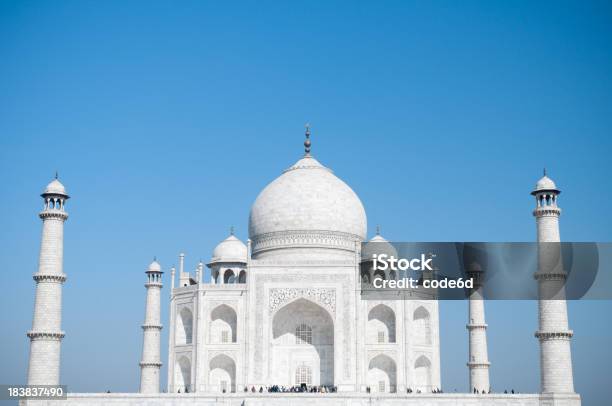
x=284, y=308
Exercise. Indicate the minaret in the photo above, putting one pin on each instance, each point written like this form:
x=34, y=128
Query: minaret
x=553, y=333
x=474, y=260
x=46, y=334
x=151, y=360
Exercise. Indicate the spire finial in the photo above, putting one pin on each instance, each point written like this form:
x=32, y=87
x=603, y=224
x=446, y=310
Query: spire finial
x=154, y=258
x=307, y=142
x=377, y=229
x=544, y=171
x=56, y=175
x=231, y=230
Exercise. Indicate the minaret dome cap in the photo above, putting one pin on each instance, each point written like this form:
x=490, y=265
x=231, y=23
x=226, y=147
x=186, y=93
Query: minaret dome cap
x=55, y=187
x=545, y=184
x=154, y=267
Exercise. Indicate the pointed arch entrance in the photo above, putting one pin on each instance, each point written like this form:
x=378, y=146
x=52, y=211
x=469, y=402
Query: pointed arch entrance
x=302, y=345
x=222, y=374
x=382, y=374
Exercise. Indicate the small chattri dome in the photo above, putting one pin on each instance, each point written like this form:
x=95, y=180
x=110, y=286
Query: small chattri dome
x=377, y=246
x=55, y=187
x=230, y=250
x=154, y=266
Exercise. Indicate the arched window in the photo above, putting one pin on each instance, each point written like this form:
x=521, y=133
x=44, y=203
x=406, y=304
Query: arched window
x=303, y=334
x=185, y=327
x=183, y=375
x=422, y=373
x=422, y=326
x=222, y=375
x=242, y=277
x=223, y=326
x=382, y=374
x=381, y=325
x=229, y=276
x=303, y=374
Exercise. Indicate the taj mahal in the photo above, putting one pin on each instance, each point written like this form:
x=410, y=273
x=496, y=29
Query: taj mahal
x=284, y=308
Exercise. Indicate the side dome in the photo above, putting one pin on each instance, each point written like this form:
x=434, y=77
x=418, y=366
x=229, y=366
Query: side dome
x=230, y=250
x=376, y=246
x=307, y=207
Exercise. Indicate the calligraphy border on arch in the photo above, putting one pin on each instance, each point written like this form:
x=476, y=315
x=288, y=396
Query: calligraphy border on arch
x=278, y=297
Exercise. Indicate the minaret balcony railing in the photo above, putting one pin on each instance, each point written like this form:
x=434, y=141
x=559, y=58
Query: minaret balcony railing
x=53, y=213
x=151, y=326
x=45, y=335
x=550, y=276
x=547, y=211
x=477, y=365
x=554, y=335
x=154, y=364
x=49, y=278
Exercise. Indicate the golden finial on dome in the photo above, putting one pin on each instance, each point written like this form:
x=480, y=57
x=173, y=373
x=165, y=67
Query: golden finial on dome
x=307, y=142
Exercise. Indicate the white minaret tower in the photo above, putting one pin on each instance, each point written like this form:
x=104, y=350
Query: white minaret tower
x=553, y=333
x=478, y=362
x=151, y=360
x=46, y=334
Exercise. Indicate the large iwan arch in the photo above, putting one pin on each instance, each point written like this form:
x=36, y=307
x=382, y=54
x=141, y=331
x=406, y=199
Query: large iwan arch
x=302, y=339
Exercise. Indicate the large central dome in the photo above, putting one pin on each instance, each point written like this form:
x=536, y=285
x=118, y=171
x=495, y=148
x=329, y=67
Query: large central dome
x=307, y=207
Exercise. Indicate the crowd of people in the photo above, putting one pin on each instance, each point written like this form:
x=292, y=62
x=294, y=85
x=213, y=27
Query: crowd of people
x=484, y=392
x=303, y=388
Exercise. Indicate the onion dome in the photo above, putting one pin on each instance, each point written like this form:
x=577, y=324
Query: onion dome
x=230, y=250
x=377, y=246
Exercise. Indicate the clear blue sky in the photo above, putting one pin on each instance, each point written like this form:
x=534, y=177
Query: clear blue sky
x=165, y=119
